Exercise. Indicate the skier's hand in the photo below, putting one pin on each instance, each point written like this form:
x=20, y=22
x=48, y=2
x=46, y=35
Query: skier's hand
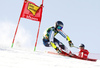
x=58, y=50
x=70, y=43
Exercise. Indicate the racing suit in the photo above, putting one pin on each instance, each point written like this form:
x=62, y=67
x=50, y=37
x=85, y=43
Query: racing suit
x=50, y=40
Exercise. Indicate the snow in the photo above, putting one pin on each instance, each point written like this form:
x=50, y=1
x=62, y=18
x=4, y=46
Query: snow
x=25, y=58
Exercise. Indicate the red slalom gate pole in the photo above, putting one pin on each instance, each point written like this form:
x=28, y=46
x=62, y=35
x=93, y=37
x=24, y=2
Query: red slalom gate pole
x=37, y=36
x=15, y=33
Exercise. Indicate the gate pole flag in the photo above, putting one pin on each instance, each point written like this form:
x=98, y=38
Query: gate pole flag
x=33, y=12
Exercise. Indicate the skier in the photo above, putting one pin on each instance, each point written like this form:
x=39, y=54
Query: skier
x=83, y=53
x=50, y=40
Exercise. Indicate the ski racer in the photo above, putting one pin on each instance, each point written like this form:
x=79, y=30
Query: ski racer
x=83, y=53
x=49, y=39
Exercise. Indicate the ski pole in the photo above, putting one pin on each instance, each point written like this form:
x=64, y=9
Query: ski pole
x=76, y=47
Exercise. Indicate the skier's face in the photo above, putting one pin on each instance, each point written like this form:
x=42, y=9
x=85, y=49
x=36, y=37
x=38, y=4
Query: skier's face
x=81, y=48
x=59, y=28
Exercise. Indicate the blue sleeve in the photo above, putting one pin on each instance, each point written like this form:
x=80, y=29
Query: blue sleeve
x=62, y=33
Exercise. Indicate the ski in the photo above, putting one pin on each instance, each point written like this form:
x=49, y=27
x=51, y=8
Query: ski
x=74, y=56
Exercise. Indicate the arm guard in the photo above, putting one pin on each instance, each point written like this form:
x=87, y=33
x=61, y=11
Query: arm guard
x=68, y=38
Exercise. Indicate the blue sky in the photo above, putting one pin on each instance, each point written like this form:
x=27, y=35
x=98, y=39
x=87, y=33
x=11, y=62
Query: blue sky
x=81, y=20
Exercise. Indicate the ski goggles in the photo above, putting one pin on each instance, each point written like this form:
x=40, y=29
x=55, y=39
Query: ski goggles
x=59, y=28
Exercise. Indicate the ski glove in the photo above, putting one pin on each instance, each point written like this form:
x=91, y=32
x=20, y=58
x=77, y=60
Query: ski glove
x=70, y=43
x=58, y=50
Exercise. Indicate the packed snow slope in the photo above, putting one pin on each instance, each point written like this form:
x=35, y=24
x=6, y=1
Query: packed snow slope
x=24, y=58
